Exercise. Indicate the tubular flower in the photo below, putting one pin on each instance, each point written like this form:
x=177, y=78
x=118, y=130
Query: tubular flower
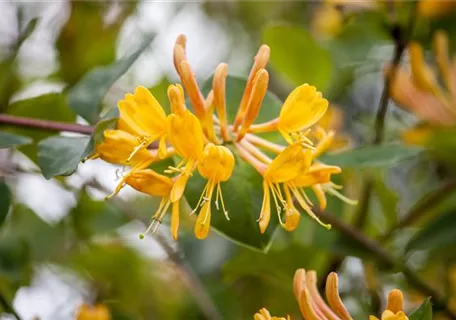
x=290, y=164
x=198, y=140
x=157, y=185
x=142, y=116
x=186, y=135
x=302, y=109
x=314, y=307
x=97, y=312
x=216, y=165
x=419, y=91
x=263, y=314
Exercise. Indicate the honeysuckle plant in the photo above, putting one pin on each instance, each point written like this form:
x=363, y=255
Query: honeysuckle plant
x=206, y=142
x=313, y=307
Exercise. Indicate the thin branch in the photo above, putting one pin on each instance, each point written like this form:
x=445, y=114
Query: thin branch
x=45, y=124
x=419, y=210
x=8, y=308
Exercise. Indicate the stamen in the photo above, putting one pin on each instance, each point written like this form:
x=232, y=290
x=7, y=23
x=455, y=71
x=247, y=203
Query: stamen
x=136, y=149
x=339, y=195
x=306, y=207
x=201, y=199
x=157, y=217
x=219, y=192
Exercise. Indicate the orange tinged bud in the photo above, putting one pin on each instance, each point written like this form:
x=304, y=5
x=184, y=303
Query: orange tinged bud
x=219, y=89
x=395, y=301
x=193, y=91
x=260, y=61
x=179, y=51
x=334, y=300
x=259, y=88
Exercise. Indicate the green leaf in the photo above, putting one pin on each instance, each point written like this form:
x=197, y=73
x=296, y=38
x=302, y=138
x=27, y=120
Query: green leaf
x=86, y=96
x=372, y=156
x=52, y=106
x=8, y=140
x=5, y=201
x=436, y=234
x=87, y=40
x=243, y=192
x=423, y=312
x=61, y=155
x=296, y=55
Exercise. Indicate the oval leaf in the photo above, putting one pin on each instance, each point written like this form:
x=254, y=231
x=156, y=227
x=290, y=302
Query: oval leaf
x=8, y=140
x=61, y=155
x=86, y=96
x=296, y=55
x=436, y=234
x=372, y=156
x=423, y=312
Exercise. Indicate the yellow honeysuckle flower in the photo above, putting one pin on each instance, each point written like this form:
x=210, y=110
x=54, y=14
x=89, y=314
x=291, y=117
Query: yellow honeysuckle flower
x=186, y=136
x=198, y=139
x=263, y=314
x=118, y=146
x=142, y=116
x=216, y=164
x=290, y=164
x=419, y=91
x=314, y=307
x=303, y=107
x=154, y=184
x=435, y=8
x=97, y=312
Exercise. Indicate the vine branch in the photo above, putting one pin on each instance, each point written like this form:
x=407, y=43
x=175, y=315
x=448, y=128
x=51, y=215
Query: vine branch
x=45, y=124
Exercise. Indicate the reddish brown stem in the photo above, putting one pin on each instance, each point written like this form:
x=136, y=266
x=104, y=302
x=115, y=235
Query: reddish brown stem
x=45, y=124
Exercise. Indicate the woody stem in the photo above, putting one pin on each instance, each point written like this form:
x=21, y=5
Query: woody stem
x=45, y=124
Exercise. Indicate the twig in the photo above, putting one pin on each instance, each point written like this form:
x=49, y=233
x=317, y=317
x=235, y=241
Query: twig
x=45, y=124
x=8, y=308
x=421, y=208
x=193, y=283
x=388, y=260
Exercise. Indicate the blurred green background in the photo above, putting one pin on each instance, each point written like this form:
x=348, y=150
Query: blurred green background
x=62, y=245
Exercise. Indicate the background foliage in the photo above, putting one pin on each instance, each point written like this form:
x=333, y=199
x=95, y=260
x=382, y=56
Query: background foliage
x=63, y=245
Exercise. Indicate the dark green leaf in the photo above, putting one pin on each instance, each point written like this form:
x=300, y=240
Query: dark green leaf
x=52, y=106
x=243, y=193
x=372, y=156
x=61, y=155
x=423, y=312
x=8, y=140
x=86, y=40
x=86, y=96
x=436, y=234
x=296, y=55
x=5, y=201
x=108, y=122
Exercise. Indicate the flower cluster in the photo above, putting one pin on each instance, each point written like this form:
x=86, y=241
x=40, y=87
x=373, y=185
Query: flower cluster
x=205, y=141
x=313, y=307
